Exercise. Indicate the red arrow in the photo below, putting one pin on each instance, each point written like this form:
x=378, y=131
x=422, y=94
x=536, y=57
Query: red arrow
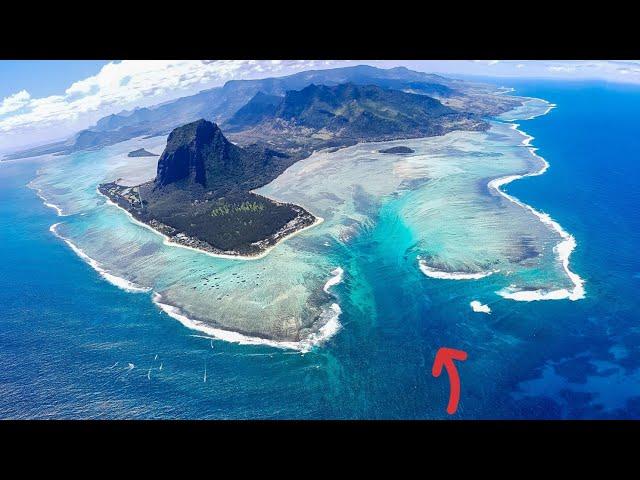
x=445, y=357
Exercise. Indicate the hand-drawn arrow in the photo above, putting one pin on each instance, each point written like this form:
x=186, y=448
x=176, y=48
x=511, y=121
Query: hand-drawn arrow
x=445, y=357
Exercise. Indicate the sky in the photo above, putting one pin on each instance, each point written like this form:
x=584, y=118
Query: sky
x=48, y=100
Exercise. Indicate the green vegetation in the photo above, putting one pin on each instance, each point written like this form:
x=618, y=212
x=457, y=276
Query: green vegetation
x=233, y=222
x=223, y=208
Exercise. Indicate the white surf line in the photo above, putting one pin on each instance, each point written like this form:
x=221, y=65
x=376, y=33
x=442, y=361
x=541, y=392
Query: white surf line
x=168, y=242
x=435, y=273
x=550, y=106
x=563, y=249
x=338, y=276
x=119, y=282
x=46, y=203
x=505, y=90
x=478, y=307
x=329, y=329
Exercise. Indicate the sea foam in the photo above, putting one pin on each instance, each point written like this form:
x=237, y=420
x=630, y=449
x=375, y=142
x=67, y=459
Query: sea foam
x=563, y=249
x=338, y=275
x=443, y=275
x=329, y=328
x=45, y=201
x=119, y=282
x=478, y=307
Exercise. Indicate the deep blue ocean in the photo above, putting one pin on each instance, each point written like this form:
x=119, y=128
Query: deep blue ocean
x=67, y=337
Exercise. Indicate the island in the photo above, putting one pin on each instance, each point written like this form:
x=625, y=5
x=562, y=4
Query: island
x=202, y=196
x=396, y=150
x=220, y=104
x=141, y=152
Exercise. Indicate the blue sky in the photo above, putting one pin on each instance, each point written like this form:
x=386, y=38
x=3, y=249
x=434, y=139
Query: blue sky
x=43, y=101
x=45, y=77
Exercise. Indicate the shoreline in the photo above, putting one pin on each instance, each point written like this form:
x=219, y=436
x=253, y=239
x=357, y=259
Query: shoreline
x=327, y=330
x=331, y=314
x=167, y=240
x=324, y=333
x=563, y=249
x=122, y=283
x=550, y=106
x=45, y=202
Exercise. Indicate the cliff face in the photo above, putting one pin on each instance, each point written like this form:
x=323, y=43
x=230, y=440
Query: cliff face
x=198, y=160
x=199, y=153
x=201, y=196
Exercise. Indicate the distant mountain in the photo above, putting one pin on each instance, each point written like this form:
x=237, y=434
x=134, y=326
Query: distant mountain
x=261, y=106
x=321, y=116
x=202, y=194
x=220, y=104
x=352, y=111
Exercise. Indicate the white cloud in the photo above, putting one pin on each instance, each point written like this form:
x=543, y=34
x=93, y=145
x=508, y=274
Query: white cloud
x=14, y=102
x=609, y=70
x=488, y=62
x=562, y=68
x=126, y=84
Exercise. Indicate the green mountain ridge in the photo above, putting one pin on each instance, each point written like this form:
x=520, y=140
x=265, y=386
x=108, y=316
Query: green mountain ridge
x=221, y=103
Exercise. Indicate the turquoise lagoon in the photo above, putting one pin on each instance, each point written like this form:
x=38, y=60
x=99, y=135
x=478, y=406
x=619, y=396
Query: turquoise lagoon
x=442, y=206
x=343, y=320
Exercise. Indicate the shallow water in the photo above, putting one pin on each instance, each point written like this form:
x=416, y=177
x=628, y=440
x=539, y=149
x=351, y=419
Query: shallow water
x=68, y=336
x=455, y=225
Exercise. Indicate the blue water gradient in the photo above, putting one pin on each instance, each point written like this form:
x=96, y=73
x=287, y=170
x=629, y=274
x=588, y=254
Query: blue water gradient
x=75, y=346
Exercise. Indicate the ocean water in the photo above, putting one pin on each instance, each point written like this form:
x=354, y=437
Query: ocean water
x=102, y=319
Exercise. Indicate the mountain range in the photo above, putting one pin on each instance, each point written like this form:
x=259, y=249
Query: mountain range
x=351, y=111
x=221, y=103
x=202, y=193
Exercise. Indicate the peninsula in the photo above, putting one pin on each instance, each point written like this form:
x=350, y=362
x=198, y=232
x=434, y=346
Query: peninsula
x=202, y=196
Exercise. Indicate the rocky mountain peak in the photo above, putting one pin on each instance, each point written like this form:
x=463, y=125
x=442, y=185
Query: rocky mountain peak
x=194, y=153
